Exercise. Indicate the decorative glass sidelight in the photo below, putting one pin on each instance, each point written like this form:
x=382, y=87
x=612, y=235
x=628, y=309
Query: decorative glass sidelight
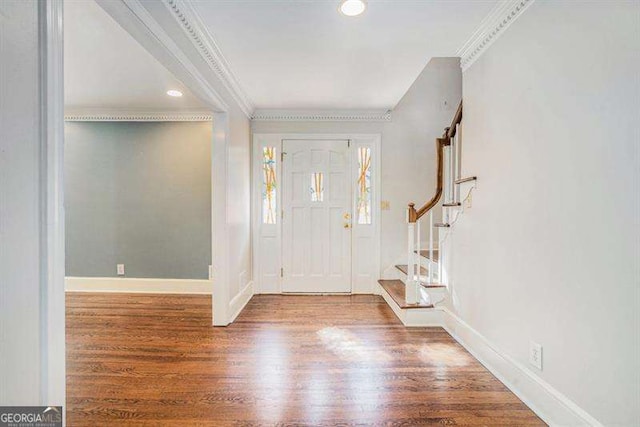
x=269, y=184
x=317, y=187
x=364, y=185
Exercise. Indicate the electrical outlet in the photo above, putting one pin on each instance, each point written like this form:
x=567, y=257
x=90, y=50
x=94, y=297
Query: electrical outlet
x=120, y=269
x=210, y=272
x=535, y=354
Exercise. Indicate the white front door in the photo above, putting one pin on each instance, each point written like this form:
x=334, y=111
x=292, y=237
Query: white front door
x=316, y=222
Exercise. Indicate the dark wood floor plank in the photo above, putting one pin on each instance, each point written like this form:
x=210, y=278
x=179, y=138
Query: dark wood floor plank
x=150, y=360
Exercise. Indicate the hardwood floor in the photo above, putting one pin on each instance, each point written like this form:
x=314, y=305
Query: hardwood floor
x=139, y=359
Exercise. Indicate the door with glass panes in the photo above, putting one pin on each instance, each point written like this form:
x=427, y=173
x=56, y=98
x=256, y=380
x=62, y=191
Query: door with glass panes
x=316, y=216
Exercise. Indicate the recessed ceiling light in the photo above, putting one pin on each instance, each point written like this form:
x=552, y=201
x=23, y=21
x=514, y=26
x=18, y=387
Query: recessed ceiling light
x=175, y=93
x=352, y=7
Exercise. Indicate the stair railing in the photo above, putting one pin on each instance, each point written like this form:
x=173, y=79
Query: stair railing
x=448, y=167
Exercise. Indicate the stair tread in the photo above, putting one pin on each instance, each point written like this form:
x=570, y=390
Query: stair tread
x=423, y=272
x=463, y=180
x=425, y=254
x=405, y=268
x=396, y=290
x=432, y=285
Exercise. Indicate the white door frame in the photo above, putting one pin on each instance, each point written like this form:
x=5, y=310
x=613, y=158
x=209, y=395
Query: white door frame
x=267, y=239
x=52, y=296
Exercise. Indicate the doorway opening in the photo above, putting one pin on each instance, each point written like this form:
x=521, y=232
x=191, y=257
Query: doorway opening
x=137, y=166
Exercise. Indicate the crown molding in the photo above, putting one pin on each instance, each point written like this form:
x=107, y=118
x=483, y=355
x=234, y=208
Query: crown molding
x=322, y=116
x=498, y=20
x=135, y=116
x=205, y=44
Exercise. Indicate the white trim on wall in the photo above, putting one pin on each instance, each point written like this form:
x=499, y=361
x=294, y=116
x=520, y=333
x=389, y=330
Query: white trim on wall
x=52, y=234
x=136, y=285
x=322, y=115
x=492, y=27
x=548, y=403
x=553, y=407
x=197, y=32
x=238, y=302
x=160, y=42
x=219, y=228
x=136, y=116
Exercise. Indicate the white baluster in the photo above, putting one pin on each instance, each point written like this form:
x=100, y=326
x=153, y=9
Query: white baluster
x=419, y=263
x=440, y=259
x=456, y=169
x=431, y=246
x=410, y=289
x=445, y=172
x=452, y=155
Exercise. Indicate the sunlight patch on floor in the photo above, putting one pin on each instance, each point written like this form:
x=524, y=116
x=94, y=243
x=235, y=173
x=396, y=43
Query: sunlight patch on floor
x=443, y=354
x=348, y=346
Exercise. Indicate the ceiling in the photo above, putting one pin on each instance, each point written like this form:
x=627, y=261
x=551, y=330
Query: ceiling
x=106, y=69
x=285, y=54
x=306, y=55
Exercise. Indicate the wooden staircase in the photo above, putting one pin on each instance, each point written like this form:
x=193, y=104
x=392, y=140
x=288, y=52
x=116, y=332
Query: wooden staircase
x=421, y=282
x=422, y=312
x=395, y=288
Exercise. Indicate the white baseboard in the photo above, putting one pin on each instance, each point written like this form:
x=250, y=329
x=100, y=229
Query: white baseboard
x=130, y=285
x=548, y=403
x=239, y=301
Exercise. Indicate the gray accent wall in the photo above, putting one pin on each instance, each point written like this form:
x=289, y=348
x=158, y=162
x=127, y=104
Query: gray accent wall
x=139, y=194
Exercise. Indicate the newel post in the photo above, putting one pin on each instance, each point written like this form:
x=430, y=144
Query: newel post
x=412, y=214
x=410, y=291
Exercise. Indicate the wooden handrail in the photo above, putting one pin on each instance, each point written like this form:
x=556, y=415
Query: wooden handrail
x=445, y=140
x=457, y=119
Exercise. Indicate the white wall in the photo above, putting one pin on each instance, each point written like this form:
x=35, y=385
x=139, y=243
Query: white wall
x=239, y=201
x=20, y=207
x=549, y=249
x=408, y=146
x=31, y=306
x=408, y=149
